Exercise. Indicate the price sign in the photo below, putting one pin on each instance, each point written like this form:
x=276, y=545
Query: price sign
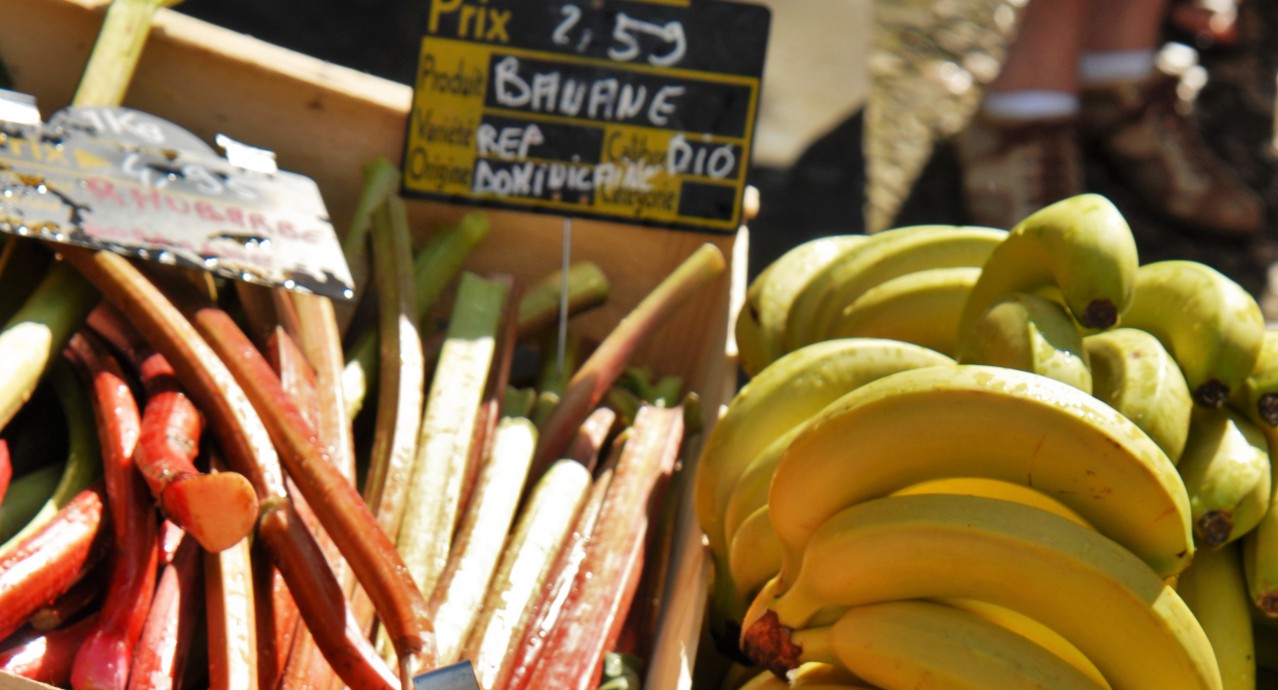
x=130, y=182
x=634, y=110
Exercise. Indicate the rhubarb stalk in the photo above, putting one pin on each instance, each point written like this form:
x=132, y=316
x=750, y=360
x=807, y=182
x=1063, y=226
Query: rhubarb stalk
x=104, y=658
x=596, y=375
x=169, y=632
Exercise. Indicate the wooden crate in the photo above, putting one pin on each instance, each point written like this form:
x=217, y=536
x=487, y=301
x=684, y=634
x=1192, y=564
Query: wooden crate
x=326, y=121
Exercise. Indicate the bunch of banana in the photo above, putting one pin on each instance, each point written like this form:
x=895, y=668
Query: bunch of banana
x=1075, y=441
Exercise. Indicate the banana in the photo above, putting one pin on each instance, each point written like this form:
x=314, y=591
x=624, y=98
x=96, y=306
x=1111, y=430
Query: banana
x=754, y=555
x=925, y=644
x=921, y=308
x=978, y=420
x=885, y=255
x=1210, y=324
x=1030, y=333
x=1098, y=595
x=1257, y=397
x=1214, y=588
x=1080, y=246
x=1227, y=473
x=782, y=396
x=761, y=323
x=1032, y=630
x=1260, y=562
x=995, y=488
x=1136, y=375
x=751, y=490
x=811, y=676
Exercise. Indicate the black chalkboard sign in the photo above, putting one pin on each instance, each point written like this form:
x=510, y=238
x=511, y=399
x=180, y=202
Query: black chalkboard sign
x=640, y=111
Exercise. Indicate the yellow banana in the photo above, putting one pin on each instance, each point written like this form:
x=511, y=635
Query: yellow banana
x=811, y=676
x=921, y=308
x=1030, y=333
x=1214, y=588
x=754, y=554
x=885, y=255
x=1210, y=324
x=928, y=645
x=782, y=396
x=1257, y=397
x=1032, y=630
x=760, y=325
x=977, y=420
x=1227, y=473
x=1107, y=602
x=751, y=490
x=1081, y=246
x=994, y=488
x=1136, y=375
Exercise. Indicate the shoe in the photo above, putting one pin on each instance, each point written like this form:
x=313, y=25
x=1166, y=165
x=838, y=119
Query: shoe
x=1146, y=132
x=1012, y=168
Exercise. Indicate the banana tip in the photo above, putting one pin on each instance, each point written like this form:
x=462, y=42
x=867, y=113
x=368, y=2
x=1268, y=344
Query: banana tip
x=1100, y=314
x=1211, y=394
x=770, y=644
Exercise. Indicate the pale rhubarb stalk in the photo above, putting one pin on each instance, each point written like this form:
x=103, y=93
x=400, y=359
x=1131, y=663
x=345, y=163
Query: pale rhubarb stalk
x=244, y=439
x=401, y=372
x=436, y=266
x=321, y=342
x=230, y=621
x=105, y=657
x=539, y=308
x=165, y=646
x=455, y=602
x=216, y=509
x=46, y=658
x=544, y=526
x=529, y=637
x=603, y=589
x=589, y=441
x=596, y=375
x=498, y=379
x=46, y=563
x=447, y=429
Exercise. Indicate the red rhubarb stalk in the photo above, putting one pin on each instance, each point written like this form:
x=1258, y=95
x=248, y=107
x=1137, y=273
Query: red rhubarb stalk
x=165, y=645
x=243, y=438
x=103, y=661
x=73, y=602
x=47, y=562
x=217, y=509
x=6, y=468
x=601, y=594
x=46, y=658
x=596, y=375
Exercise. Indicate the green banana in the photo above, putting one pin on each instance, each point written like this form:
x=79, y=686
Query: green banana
x=1096, y=594
x=921, y=308
x=885, y=255
x=1136, y=375
x=1080, y=246
x=761, y=321
x=1214, y=588
x=1030, y=333
x=1227, y=473
x=1257, y=397
x=1260, y=561
x=982, y=421
x=1210, y=324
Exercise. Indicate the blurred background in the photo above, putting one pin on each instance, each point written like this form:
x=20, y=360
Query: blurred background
x=860, y=99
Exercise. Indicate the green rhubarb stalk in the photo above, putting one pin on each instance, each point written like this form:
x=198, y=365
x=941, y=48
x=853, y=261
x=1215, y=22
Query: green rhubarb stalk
x=115, y=54
x=41, y=328
x=23, y=263
x=26, y=494
x=381, y=181
x=436, y=265
x=83, y=462
x=588, y=287
x=447, y=428
x=596, y=375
